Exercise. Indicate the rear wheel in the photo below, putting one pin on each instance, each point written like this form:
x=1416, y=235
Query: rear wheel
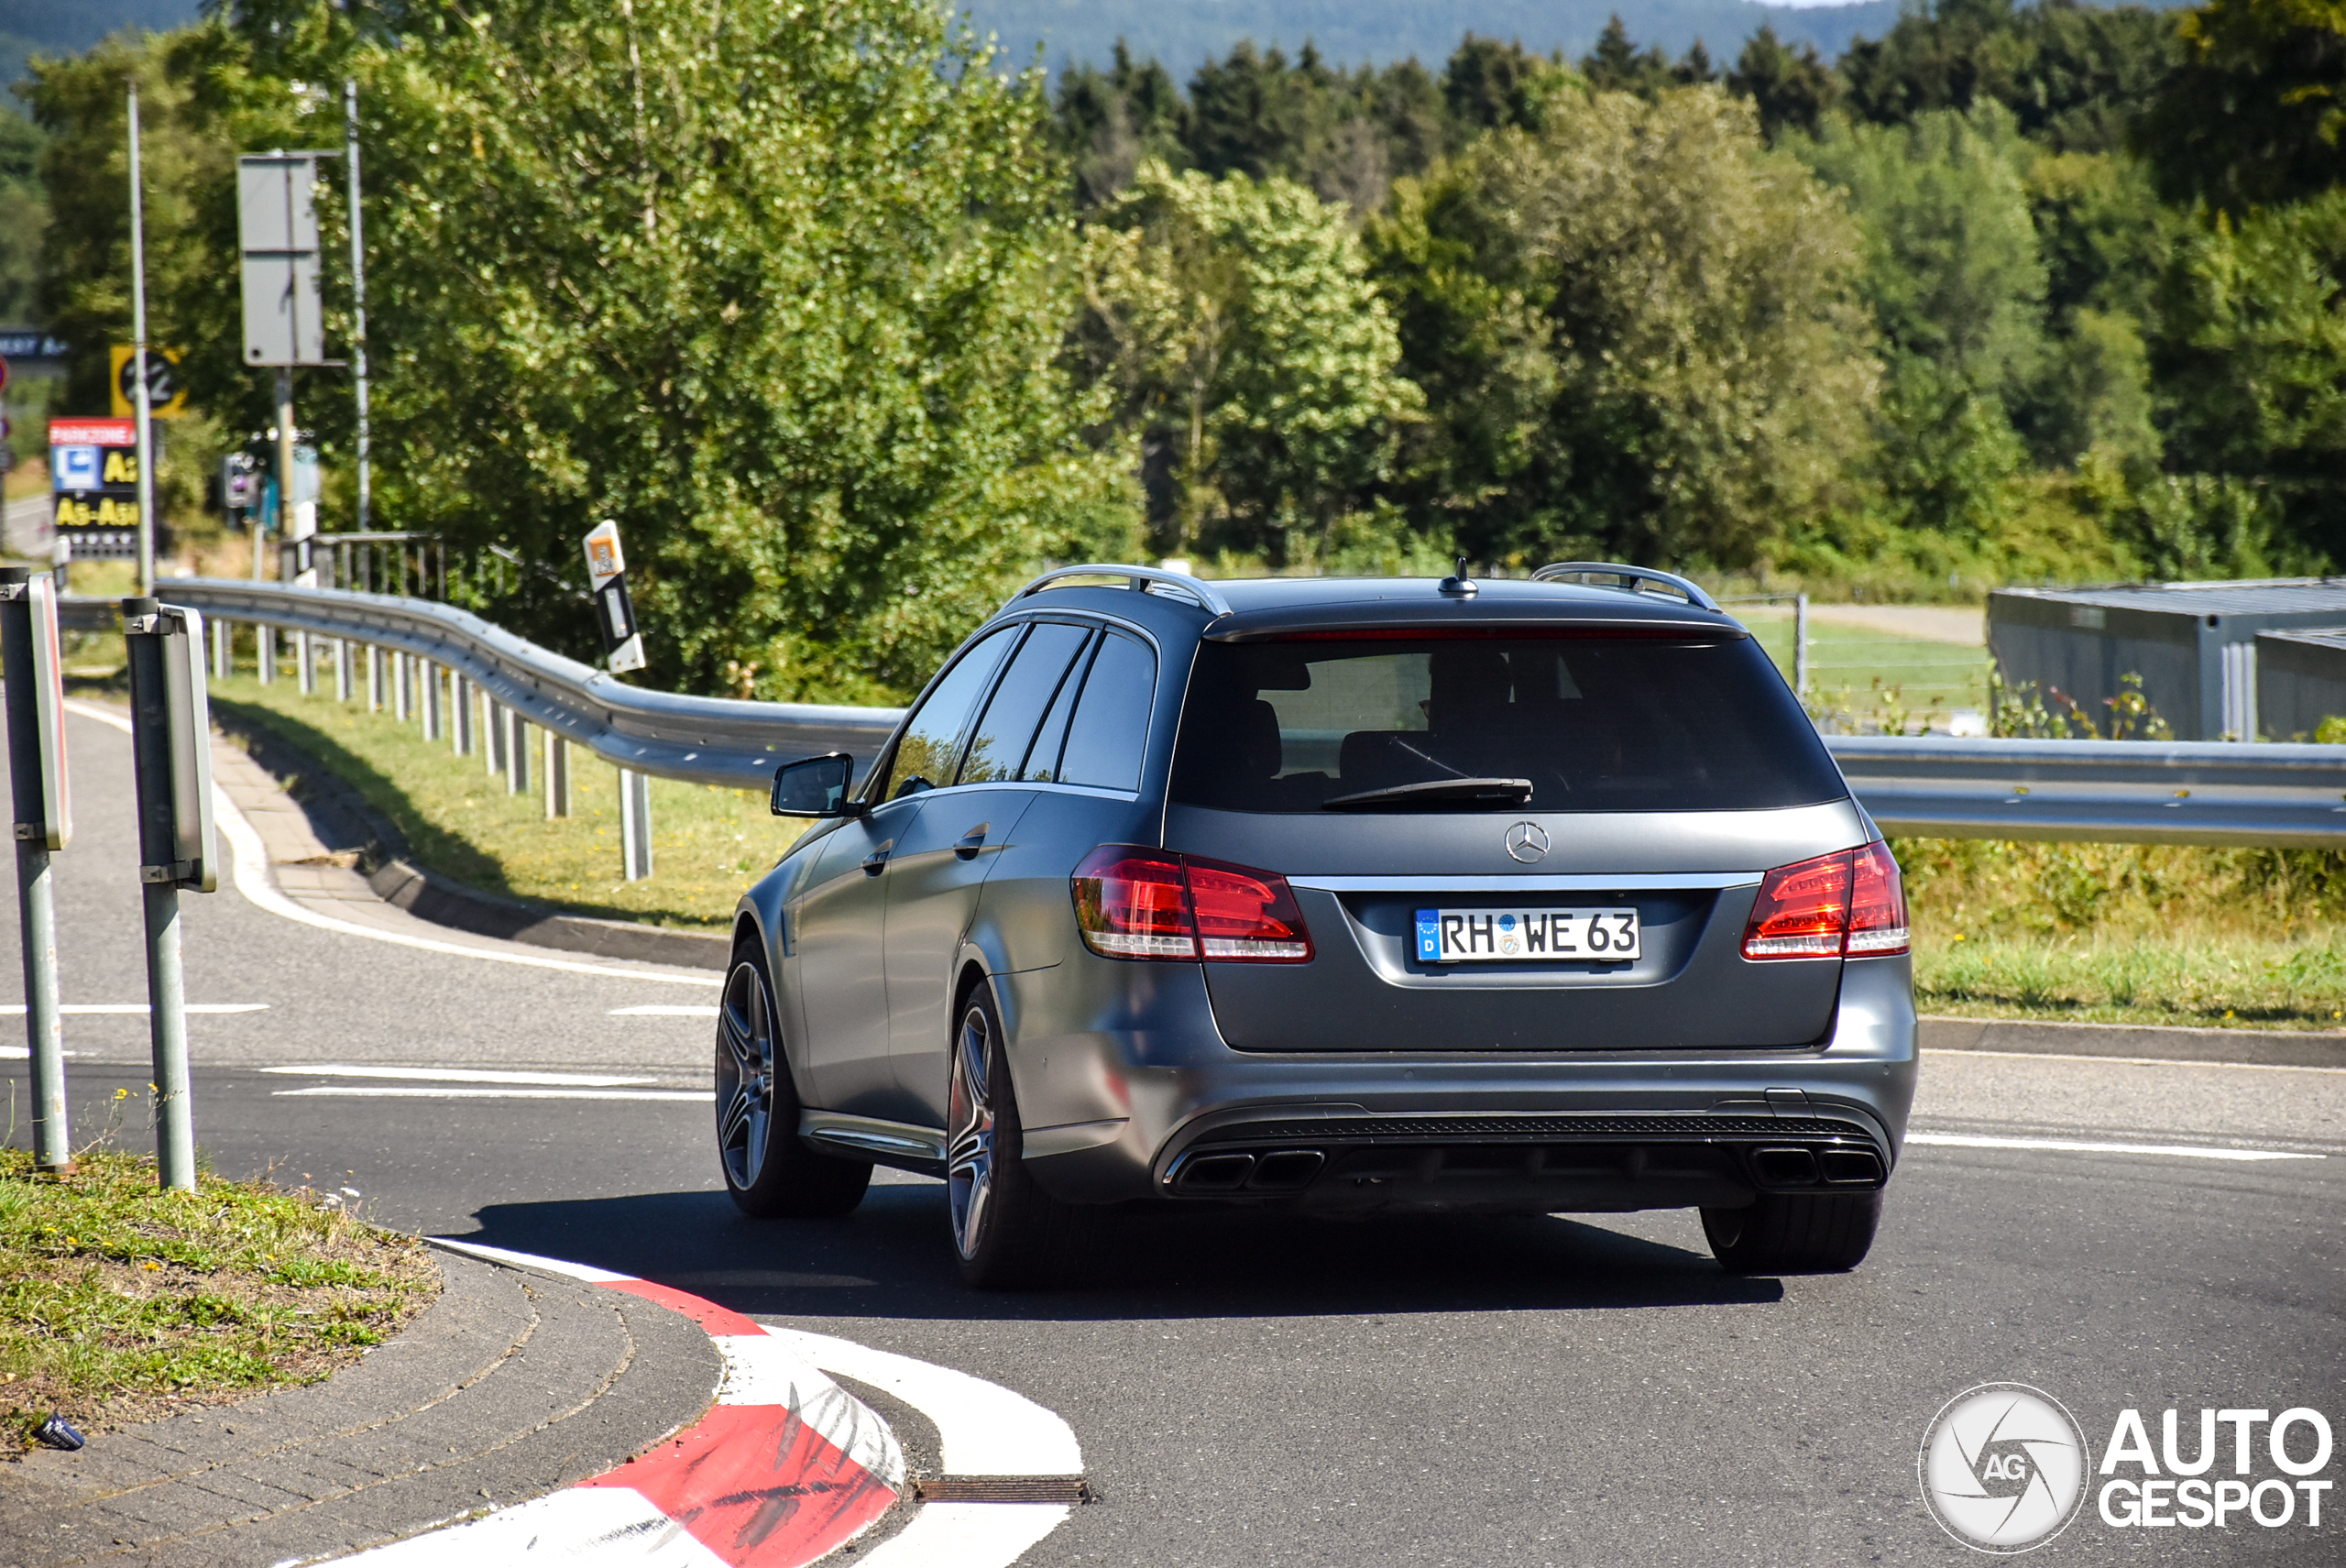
x=1007, y=1231
x=768, y=1170
x=1794, y=1232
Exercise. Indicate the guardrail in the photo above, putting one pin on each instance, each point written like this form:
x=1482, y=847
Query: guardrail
x=2182, y=792
x=704, y=739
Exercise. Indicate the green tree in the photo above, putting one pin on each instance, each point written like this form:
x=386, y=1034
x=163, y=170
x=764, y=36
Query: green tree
x=1253, y=364
x=2250, y=356
x=2256, y=113
x=1957, y=287
x=1638, y=332
x=1109, y=122
x=24, y=214
x=1788, y=89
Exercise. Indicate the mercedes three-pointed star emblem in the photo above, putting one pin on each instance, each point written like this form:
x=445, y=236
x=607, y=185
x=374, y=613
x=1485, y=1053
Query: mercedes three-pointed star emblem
x=1526, y=842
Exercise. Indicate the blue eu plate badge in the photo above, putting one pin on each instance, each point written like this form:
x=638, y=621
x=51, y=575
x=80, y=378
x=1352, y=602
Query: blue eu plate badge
x=1429, y=935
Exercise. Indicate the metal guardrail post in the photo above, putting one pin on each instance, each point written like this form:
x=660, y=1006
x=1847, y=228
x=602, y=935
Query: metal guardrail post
x=36, y=778
x=398, y=686
x=492, y=725
x=373, y=679
x=306, y=656
x=460, y=707
x=635, y=825
x=431, y=677
x=224, y=636
x=342, y=669
x=517, y=753
x=265, y=652
x=557, y=775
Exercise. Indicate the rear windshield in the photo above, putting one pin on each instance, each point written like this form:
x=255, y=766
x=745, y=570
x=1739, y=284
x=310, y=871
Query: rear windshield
x=1595, y=723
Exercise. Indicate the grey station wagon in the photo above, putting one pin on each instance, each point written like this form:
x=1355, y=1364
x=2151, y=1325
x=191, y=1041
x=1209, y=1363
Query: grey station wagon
x=1340, y=895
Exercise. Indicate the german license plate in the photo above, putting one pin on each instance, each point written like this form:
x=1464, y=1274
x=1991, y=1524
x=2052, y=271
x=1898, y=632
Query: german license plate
x=1527, y=936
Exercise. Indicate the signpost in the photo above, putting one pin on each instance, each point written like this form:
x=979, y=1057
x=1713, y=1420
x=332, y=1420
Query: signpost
x=276, y=226
x=94, y=473
x=36, y=710
x=170, y=750
x=614, y=610
x=166, y=397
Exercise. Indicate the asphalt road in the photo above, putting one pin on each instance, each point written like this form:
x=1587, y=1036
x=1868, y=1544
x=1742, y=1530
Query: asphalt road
x=1251, y=1390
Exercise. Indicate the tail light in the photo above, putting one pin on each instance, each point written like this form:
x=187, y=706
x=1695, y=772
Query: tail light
x=1877, y=906
x=1848, y=901
x=1131, y=903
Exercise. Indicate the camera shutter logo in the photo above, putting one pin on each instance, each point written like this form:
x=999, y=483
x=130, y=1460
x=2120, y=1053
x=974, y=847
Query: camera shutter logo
x=2004, y=1467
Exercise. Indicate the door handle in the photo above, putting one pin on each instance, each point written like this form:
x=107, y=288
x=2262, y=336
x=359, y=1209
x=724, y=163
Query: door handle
x=877, y=861
x=968, y=845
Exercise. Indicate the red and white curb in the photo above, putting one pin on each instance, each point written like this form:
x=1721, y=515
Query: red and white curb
x=785, y=1468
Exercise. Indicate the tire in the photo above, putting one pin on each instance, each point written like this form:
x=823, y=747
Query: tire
x=1794, y=1232
x=1007, y=1231
x=769, y=1173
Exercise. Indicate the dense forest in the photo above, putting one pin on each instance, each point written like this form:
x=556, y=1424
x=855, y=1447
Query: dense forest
x=849, y=321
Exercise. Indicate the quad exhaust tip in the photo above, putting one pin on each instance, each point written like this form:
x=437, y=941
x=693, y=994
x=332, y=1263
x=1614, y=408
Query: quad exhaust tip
x=1278, y=1171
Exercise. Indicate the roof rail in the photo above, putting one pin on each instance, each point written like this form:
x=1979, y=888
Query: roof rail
x=1141, y=579
x=1630, y=577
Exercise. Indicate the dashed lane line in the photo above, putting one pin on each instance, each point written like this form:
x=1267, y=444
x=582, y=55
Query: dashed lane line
x=2073, y=1145
x=252, y=880
x=133, y=1009
x=435, y=1091
x=465, y=1074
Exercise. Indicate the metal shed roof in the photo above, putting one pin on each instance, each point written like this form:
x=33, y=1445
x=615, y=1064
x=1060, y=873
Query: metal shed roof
x=2321, y=636
x=2270, y=595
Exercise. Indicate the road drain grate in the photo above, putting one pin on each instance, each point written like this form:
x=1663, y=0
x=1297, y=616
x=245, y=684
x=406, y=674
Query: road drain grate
x=1068, y=1489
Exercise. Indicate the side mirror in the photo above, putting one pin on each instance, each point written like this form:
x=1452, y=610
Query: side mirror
x=815, y=786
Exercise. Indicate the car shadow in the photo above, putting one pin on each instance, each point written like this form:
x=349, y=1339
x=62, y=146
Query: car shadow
x=892, y=1259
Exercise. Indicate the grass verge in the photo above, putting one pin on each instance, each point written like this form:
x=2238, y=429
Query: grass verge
x=122, y=1304
x=707, y=844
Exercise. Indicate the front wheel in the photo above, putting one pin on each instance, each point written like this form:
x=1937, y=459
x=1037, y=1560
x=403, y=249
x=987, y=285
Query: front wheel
x=769, y=1173
x=1007, y=1231
x=1794, y=1232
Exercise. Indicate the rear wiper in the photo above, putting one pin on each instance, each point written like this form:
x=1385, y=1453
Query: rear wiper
x=1438, y=792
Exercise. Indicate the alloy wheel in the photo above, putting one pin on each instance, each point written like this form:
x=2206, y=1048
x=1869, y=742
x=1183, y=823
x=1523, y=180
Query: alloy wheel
x=969, y=1177
x=745, y=1068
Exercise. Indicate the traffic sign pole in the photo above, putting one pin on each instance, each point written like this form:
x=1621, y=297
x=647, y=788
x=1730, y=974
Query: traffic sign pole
x=138, y=359
x=37, y=778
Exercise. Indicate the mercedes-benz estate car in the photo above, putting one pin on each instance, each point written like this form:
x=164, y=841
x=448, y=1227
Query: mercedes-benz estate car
x=1338, y=895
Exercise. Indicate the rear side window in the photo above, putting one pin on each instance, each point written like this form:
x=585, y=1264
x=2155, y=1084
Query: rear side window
x=931, y=747
x=1595, y=723
x=1109, y=734
x=1017, y=704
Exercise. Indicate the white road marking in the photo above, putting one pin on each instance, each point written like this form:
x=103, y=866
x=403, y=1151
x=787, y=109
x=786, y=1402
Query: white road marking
x=578, y=1524
x=657, y=1010
x=417, y=1092
x=967, y=1535
x=464, y=1075
x=252, y=880
x=2140, y=1061
x=139, y=1009
x=2184, y=1151
x=762, y=1369
x=983, y=1428
x=564, y=1267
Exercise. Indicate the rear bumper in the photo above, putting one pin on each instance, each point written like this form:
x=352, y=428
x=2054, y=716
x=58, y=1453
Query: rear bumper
x=1174, y=1113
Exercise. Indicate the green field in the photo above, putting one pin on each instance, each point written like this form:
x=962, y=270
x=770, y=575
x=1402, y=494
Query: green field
x=707, y=844
x=1866, y=676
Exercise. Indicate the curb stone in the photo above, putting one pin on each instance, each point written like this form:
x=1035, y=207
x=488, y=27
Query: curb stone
x=510, y=1384
x=2144, y=1042
x=784, y=1469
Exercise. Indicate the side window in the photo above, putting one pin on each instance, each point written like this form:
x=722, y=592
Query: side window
x=1017, y=704
x=932, y=742
x=1109, y=731
x=1042, y=757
